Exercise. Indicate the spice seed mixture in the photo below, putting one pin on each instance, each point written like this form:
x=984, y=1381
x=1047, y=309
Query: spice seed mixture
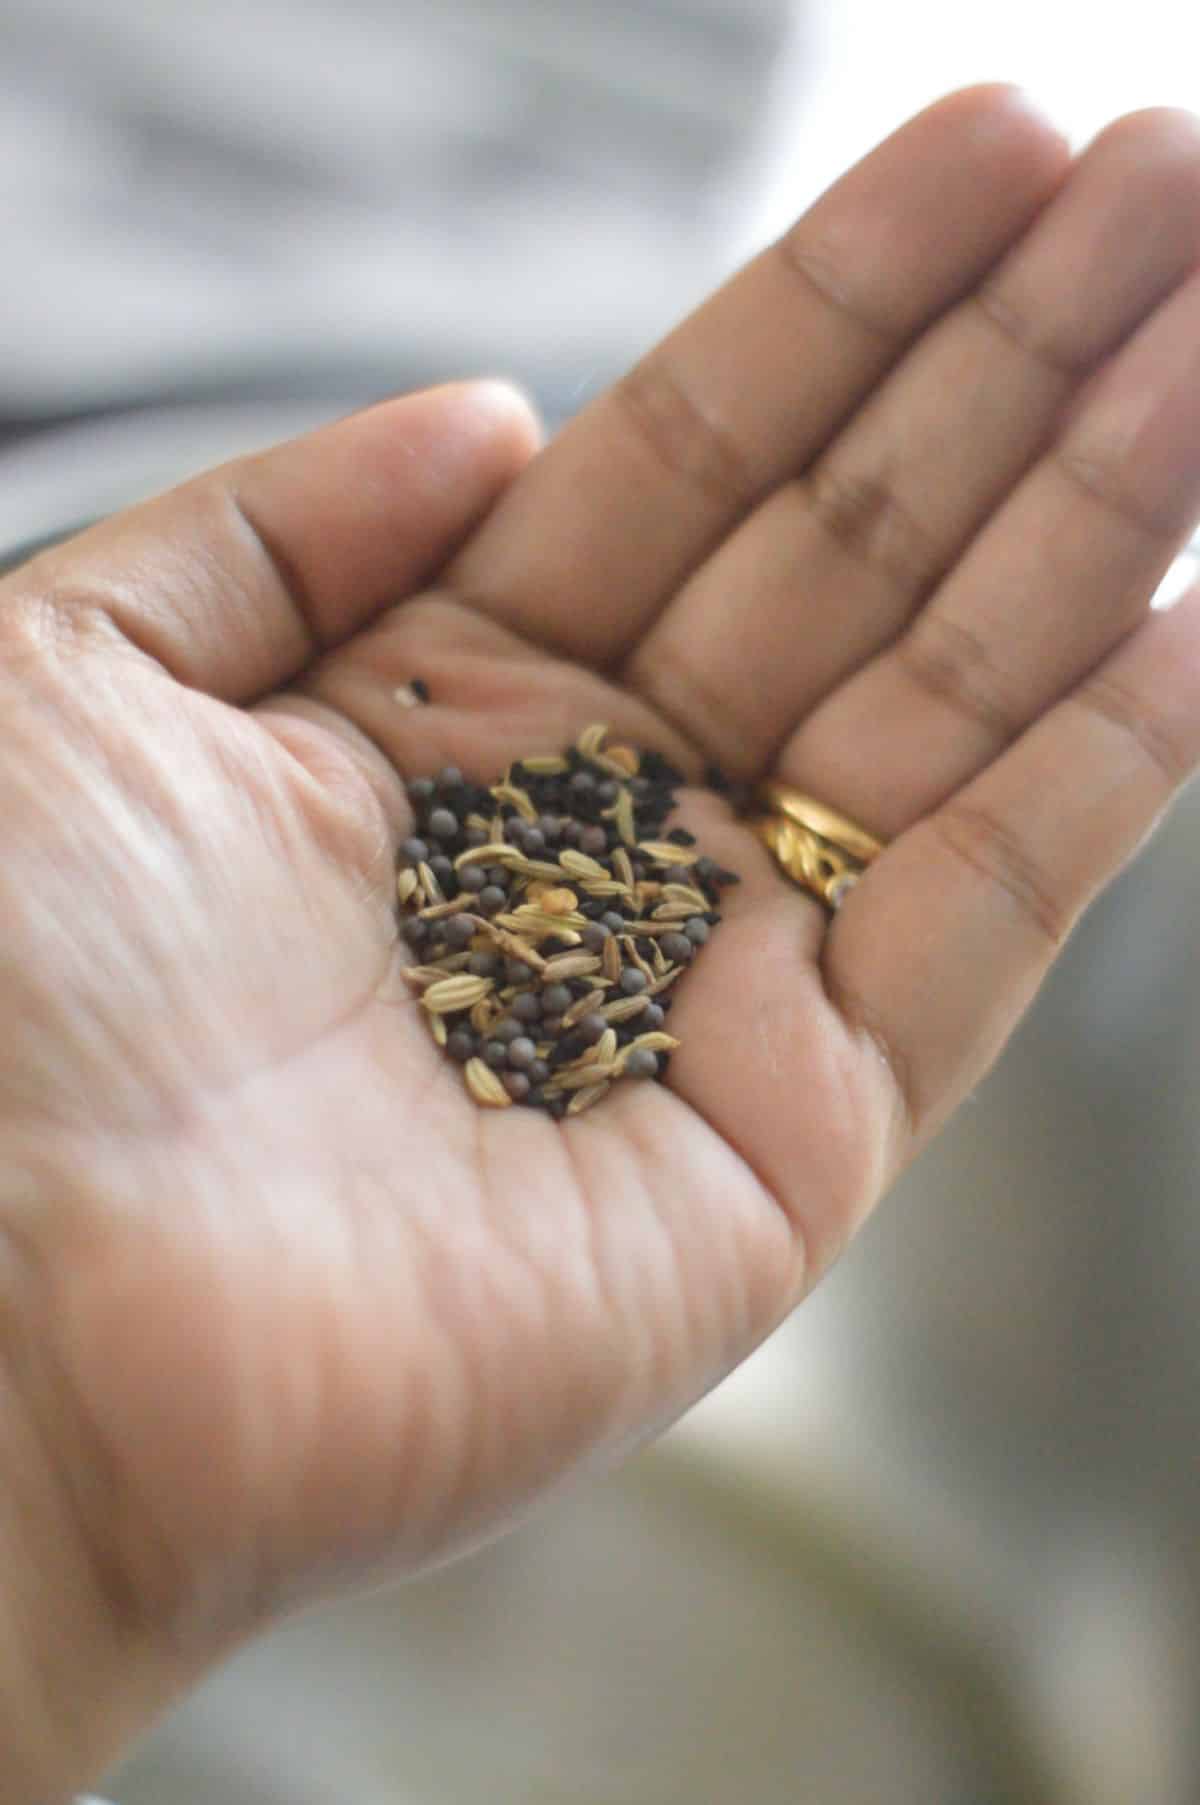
x=551, y=915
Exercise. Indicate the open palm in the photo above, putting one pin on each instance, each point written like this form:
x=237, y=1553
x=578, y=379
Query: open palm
x=883, y=518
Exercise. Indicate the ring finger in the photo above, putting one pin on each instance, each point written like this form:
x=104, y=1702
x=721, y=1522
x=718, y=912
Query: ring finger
x=833, y=566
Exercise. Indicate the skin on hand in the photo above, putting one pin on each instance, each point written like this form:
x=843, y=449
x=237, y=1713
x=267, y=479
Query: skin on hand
x=279, y=1306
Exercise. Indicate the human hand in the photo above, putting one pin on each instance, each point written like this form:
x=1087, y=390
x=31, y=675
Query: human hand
x=884, y=517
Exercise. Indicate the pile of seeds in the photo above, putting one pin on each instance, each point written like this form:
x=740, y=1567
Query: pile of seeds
x=552, y=914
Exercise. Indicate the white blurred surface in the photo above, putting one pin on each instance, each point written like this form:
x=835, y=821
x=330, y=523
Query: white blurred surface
x=864, y=66
x=194, y=194
x=664, y=1637
x=199, y=194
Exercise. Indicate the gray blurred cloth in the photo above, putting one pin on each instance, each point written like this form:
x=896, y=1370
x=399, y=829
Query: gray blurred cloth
x=197, y=192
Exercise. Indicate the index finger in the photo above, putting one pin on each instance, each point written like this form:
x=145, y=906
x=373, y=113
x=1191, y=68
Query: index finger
x=599, y=532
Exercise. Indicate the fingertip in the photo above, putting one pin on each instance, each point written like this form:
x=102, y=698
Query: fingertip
x=502, y=408
x=1161, y=132
x=470, y=434
x=1007, y=110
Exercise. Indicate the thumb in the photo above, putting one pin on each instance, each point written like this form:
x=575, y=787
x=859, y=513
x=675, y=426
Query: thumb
x=237, y=579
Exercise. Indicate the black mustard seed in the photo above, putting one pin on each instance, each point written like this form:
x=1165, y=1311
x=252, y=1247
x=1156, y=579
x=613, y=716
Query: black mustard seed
x=458, y=930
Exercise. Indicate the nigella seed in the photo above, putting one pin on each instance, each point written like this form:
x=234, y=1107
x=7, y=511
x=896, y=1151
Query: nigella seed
x=461, y=1044
x=696, y=929
x=633, y=981
x=677, y=874
x=521, y=1053
x=677, y=947
x=556, y=998
x=679, y=836
x=415, y=851
x=472, y=877
x=442, y=824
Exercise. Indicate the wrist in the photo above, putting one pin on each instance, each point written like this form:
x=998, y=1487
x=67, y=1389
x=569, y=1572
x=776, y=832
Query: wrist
x=64, y=1666
x=83, y=1668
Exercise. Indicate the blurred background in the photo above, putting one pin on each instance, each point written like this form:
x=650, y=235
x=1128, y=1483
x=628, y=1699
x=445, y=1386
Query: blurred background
x=940, y=1540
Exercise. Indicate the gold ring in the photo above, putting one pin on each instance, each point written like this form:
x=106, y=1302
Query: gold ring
x=822, y=851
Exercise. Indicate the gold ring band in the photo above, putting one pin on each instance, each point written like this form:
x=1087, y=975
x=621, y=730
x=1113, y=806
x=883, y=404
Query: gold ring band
x=825, y=822
x=823, y=852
